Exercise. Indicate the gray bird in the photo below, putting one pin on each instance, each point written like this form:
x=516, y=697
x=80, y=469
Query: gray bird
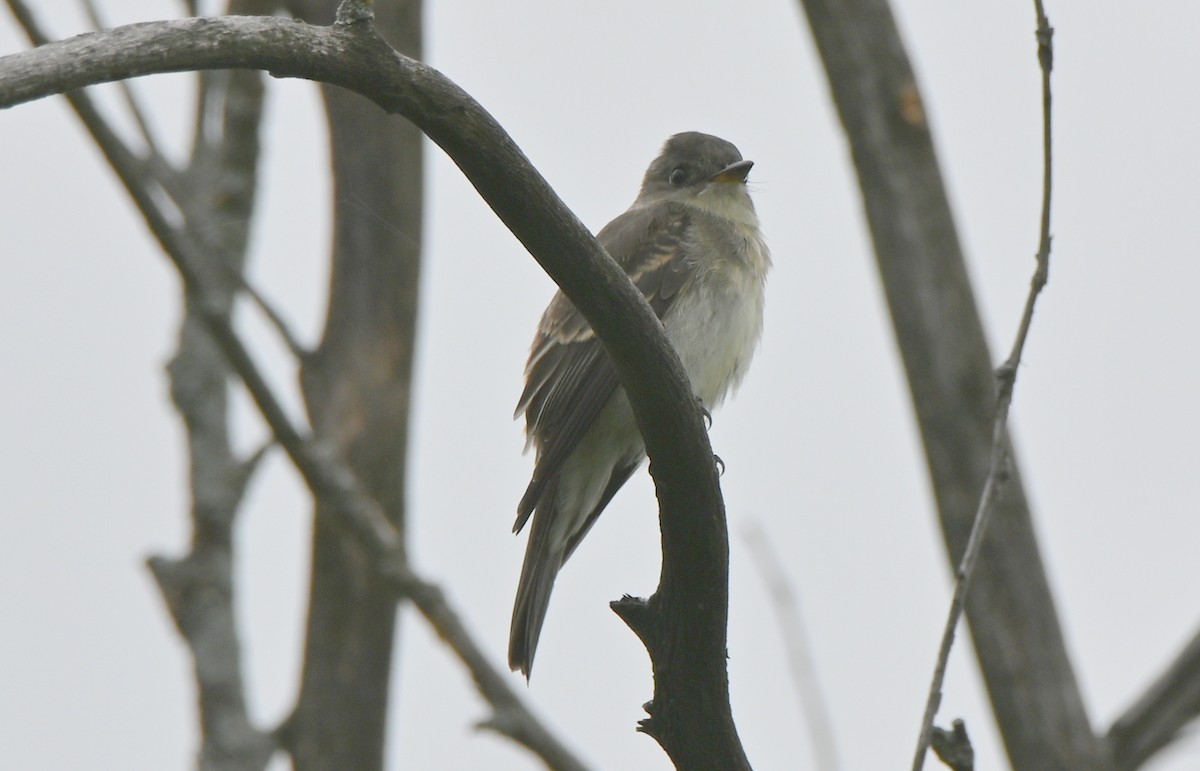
x=691, y=244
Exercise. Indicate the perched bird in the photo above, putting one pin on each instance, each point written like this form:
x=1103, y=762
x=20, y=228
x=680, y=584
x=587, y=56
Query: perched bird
x=691, y=244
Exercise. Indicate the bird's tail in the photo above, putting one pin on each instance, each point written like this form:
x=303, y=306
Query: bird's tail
x=543, y=559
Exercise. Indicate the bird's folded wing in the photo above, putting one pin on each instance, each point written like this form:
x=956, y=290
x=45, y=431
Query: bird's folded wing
x=569, y=377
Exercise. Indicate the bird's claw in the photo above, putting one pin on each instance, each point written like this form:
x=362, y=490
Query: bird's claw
x=720, y=465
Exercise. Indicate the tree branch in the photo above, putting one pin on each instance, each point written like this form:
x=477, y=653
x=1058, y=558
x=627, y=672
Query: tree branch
x=198, y=588
x=1155, y=720
x=131, y=101
x=1006, y=377
x=357, y=391
x=510, y=717
x=355, y=59
x=670, y=420
x=691, y=695
x=799, y=652
x=1014, y=626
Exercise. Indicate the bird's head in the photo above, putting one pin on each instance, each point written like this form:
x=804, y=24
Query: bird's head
x=701, y=170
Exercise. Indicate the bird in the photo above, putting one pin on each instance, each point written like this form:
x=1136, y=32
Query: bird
x=691, y=243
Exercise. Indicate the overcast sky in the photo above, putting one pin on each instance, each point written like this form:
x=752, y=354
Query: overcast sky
x=819, y=443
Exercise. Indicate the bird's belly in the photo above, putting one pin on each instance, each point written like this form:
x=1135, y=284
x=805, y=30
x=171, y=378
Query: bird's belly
x=715, y=331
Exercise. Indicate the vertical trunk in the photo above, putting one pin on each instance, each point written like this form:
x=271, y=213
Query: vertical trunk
x=357, y=389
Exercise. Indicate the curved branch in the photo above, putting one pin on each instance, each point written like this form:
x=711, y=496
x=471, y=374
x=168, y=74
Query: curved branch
x=356, y=59
x=691, y=695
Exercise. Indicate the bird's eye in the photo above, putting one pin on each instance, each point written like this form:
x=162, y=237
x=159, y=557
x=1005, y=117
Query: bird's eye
x=678, y=176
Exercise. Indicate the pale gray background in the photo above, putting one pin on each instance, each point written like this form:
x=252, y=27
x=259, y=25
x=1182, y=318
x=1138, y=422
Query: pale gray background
x=819, y=442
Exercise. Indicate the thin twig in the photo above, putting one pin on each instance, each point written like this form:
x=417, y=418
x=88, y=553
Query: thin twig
x=273, y=316
x=1006, y=376
x=131, y=101
x=799, y=652
x=510, y=717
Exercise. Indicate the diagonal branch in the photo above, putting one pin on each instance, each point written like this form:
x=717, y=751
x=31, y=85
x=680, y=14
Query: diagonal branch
x=1015, y=629
x=333, y=484
x=131, y=100
x=1006, y=377
x=800, y=657
x=330, y=481
x=357, y=60
x=275, y=319
x=198, y=588
x=1155, y=720
x=510, y=717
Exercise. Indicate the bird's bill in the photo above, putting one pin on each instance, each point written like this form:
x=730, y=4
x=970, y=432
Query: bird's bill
x=734, y=172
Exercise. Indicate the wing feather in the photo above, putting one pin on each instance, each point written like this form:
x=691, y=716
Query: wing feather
x=569, y=377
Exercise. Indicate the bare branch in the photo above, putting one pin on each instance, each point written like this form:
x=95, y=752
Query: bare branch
x=131, y=101
x=1157, y=718
x=691, y=700
x=198, y=588
x=510, y=717
x=353, y=58
x=1017, y=636
x=197, y=592
x=275, y=318
x=328, y=479
x=358, y=395
x=1006, y=376
x=800, y=658
x=340, y=493
x=669, y=418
